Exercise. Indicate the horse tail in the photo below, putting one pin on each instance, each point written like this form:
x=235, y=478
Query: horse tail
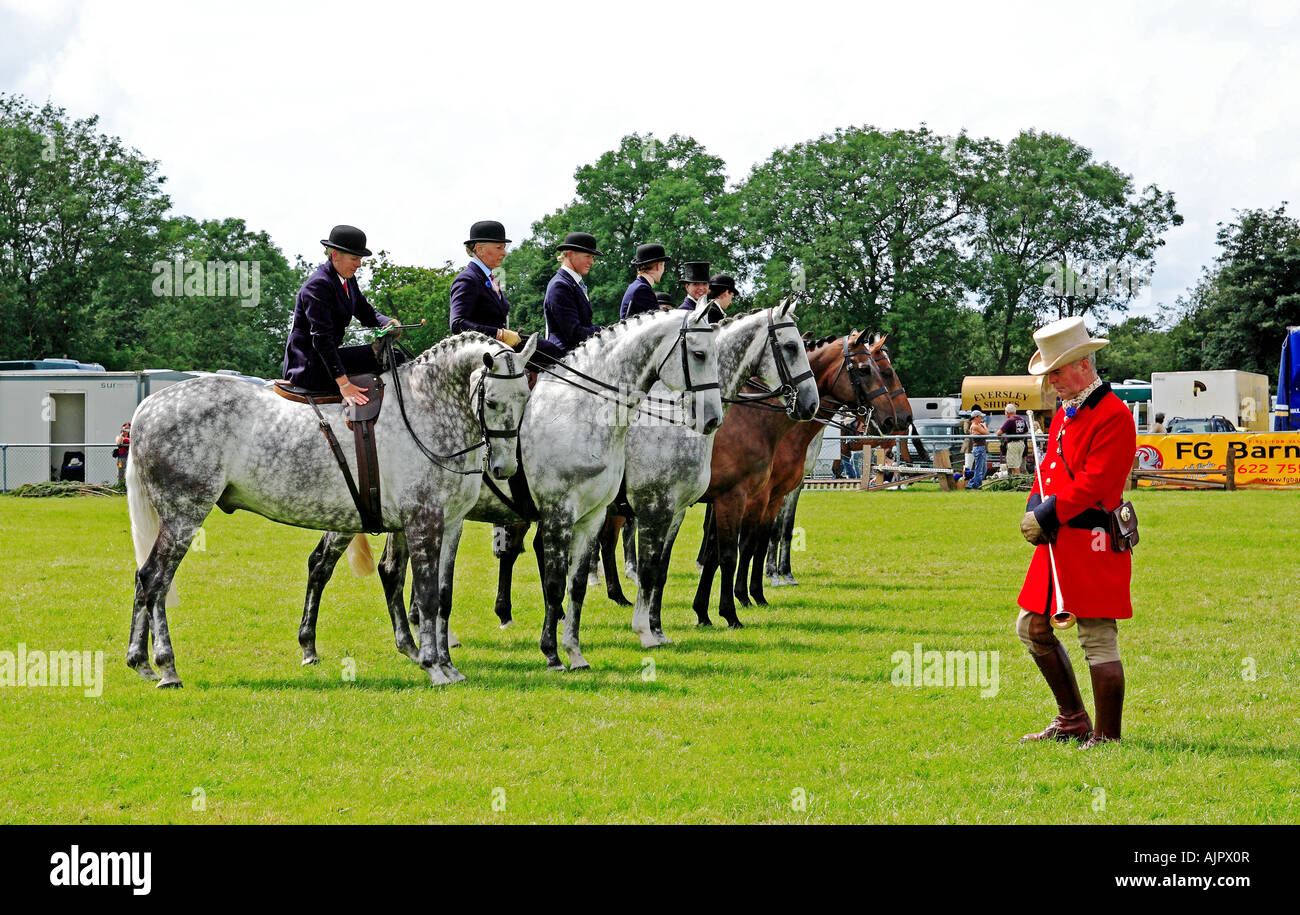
x=360, y=558
x=144, y=523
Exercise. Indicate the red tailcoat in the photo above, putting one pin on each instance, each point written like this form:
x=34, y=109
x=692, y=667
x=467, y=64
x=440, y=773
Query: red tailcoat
x=1085, y=465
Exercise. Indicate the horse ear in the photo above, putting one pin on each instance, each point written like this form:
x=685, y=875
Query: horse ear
x=786, y=308
x=879, y=341
x=857, y=341
x=487, y=359
x=529, y=348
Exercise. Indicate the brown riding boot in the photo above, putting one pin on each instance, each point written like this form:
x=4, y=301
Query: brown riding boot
x=1108, y=692
x=1071, y=721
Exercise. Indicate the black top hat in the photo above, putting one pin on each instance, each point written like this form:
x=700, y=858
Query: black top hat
x=664, y=300
x=487, y=230
x=348, y=239
x=649, y=254
x=695, y=272
x=722, y=283
x=579, y=241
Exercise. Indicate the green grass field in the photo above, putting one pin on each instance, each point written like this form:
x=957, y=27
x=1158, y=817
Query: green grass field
x=793, y=719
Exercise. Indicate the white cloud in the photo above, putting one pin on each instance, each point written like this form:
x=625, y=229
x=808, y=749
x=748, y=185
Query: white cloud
x=413, y=122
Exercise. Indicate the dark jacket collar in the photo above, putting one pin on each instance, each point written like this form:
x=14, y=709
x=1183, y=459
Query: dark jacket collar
x=1095, y=397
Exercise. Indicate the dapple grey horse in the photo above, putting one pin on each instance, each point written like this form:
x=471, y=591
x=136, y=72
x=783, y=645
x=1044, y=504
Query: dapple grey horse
x=573, y=442
x=220, y=441
x=668, y=466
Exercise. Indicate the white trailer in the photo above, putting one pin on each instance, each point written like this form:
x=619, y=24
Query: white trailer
x=44, y=414
x=1241, y=397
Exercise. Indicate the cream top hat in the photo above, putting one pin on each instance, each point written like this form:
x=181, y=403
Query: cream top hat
x=1061, y=343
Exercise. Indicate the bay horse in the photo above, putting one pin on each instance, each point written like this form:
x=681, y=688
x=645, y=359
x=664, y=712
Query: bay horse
x=219, y=441
x=744, y=449
x=573, y=444
x=788, y=467
x=778, y=568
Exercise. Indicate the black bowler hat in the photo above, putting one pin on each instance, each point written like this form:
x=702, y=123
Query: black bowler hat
x=649, y=254
x=695, y=272
x=579, y=241
x=722, y=283
x=487, y=230
x=348, y=239
x=664, y=300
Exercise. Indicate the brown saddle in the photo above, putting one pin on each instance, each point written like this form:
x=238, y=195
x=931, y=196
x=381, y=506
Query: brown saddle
x=361, y=420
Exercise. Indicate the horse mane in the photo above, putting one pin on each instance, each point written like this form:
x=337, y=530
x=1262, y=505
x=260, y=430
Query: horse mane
x=449, y=343
x=610, y=330
x=731, y=319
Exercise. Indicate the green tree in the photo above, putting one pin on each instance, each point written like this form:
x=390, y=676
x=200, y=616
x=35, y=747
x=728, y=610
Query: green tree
x=1240, y=310
x=411, y=294
x=231, y=311
x=79, y=212
x=1056, y=233
x=866, y=225
x=673, y=192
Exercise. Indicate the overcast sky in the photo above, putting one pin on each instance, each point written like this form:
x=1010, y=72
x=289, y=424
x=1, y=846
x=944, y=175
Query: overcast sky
x=412, y=121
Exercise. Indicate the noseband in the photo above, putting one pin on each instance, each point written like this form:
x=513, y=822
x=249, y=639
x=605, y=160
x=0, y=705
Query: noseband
x=788, y=383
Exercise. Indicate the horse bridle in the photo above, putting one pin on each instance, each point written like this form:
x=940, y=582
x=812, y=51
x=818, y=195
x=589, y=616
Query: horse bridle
x=690, y=386
x=789, y=383
x=480, y=397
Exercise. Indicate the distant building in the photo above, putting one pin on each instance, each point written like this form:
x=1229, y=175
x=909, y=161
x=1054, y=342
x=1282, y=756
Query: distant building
x=63, y=405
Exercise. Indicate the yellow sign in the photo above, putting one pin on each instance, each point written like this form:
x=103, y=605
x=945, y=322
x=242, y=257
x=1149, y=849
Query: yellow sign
x=1262, y=458
x=992, y=393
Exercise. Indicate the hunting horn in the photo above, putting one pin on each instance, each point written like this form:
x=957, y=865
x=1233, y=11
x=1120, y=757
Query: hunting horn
x=1062, y=618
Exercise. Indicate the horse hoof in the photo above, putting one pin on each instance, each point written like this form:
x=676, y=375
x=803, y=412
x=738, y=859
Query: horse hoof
x=173, y=683
x=663, y=639
x=452, y=674
x=760, y=600
x=789, y=580
x=437, y=677
x=735, y=624
x=145, y=671
x=704, y=622
x=774, y=582
x=507, y=624
x=620, y=600
x=580, y=664
x=556, y=667
x=309, y=660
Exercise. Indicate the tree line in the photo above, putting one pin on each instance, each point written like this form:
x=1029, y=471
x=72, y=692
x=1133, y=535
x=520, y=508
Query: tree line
x=957, y=247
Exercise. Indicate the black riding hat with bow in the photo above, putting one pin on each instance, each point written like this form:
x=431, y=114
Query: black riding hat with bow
x=649, y=254
x=720, y=284
x=695, y=272
x=348, y=239
x=487, y=230
x=579, y=241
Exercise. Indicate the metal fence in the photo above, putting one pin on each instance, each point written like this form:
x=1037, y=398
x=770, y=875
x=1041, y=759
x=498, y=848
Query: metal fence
x=952, y=443
x=39, y=463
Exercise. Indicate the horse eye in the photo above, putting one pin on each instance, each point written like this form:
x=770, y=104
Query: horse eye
x=492, y=404
x=698, y=354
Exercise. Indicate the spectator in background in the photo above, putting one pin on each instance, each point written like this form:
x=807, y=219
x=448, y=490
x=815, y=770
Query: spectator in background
x=979, y=449
x=1158, y=427
x=120, y=452
x=1014, y=429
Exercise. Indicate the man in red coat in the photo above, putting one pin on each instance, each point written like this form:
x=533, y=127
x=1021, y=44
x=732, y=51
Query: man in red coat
x=1086, y=461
